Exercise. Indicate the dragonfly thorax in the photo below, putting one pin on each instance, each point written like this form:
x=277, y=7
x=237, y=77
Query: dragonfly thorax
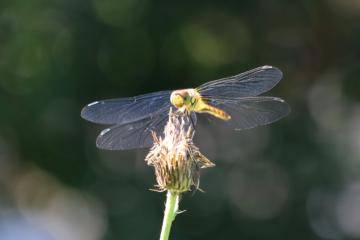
x=184, y=99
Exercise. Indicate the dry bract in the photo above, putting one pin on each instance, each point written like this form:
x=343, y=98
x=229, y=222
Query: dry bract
x=175, y=157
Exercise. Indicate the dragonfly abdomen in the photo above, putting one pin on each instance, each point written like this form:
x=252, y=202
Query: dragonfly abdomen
x=216, y=112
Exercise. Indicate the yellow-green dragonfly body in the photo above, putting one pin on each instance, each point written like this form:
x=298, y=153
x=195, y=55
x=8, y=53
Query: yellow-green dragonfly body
x=234, y=101
x=191, y=100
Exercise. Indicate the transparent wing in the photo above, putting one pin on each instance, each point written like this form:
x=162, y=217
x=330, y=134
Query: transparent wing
x=251, y=83
x=250, y=112
x=131, y=135
x=136, y=134
x=125, y=110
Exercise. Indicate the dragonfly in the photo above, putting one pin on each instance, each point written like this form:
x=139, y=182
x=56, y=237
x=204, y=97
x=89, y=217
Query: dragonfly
x=234, y=101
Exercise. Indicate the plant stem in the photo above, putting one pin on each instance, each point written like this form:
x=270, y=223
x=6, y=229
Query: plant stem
x=171, y=208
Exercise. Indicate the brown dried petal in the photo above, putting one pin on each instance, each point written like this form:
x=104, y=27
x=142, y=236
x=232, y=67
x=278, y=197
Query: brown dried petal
x=175, y=157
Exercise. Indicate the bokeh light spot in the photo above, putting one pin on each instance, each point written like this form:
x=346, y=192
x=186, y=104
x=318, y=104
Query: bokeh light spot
x=119, y=13
x=348, y=210
x=260, y=190
x=210, y=45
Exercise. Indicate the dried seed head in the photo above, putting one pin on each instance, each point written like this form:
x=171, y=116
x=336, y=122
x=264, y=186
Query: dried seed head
x=175, y=157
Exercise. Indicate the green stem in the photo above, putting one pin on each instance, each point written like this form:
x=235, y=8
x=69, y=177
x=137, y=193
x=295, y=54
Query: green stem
x=171, y=208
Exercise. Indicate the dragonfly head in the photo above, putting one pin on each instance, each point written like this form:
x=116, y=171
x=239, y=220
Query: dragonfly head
x=185, y=98
x=178, y=98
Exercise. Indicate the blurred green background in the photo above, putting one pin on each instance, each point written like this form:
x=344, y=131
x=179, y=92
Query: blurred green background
x=296, y=179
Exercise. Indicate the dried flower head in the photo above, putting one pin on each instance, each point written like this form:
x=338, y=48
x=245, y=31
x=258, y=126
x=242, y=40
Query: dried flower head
x=175, y=157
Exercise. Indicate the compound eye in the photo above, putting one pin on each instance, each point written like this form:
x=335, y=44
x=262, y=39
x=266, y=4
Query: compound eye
x=177, y=100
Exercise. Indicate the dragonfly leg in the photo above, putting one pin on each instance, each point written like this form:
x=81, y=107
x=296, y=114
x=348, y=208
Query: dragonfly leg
x=192, y=121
